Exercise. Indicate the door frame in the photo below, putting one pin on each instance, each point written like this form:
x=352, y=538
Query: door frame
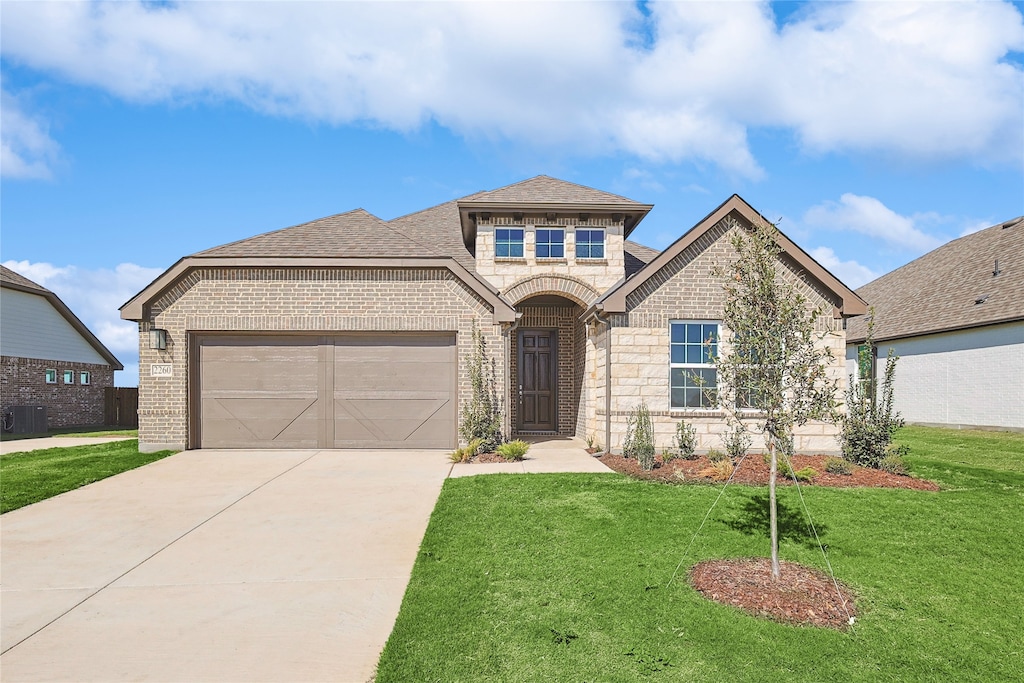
x=553, y=334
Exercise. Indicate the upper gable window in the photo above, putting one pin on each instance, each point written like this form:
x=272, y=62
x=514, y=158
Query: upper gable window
x=550, y=243
x=589, y=244
x=508, y=243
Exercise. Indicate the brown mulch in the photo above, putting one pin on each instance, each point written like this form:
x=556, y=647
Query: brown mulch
x=801, y=595
x=488, y=457
x=754, y=471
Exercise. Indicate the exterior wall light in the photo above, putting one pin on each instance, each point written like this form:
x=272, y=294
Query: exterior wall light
x=158, y=339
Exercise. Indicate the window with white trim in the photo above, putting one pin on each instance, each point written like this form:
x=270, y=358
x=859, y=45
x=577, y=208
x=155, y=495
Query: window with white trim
x=693, y=379
x=69, y=377
x=85, y=378
x=550, y=243
x=51, y=376
x=589, y=244
x=508, y=243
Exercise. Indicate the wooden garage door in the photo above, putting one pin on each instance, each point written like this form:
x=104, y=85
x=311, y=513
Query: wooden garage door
x=353, y=391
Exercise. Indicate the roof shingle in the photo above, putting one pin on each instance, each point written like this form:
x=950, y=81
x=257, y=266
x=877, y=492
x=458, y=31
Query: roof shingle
x=546, y=189
x=941, y=290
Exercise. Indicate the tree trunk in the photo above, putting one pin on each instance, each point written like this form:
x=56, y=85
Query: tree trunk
x=773, y=513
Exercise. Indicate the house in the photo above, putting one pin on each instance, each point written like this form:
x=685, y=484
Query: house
x=955, y=318
x=354, y=332
x=50, y=358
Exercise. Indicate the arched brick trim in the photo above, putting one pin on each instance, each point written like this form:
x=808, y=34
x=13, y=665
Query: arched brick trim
x=563, y=285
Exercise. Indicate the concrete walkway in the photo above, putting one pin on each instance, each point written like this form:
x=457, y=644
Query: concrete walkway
x=38, y=444
x=217, y=566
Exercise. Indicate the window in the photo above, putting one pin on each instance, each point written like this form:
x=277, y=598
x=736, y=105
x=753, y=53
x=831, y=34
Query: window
x=69, y=377
x=51, y=376
x=508, y=243
x=692, y=375
x=85, y=378
x=590, y=244
x=550, y=243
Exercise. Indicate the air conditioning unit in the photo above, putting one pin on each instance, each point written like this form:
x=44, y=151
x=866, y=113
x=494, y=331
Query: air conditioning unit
x=26, y=420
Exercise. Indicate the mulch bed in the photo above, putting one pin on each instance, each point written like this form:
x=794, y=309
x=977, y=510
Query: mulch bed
x=801, y=595
x=754, y=471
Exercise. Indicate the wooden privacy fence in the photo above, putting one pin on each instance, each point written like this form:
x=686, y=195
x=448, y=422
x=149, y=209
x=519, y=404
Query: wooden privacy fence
x=121, y=406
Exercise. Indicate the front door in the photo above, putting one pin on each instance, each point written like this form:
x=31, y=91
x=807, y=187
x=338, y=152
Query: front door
x=537, y=381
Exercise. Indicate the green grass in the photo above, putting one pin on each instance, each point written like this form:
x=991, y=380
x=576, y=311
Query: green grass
x=32, y=476
x=513, y=566
x=74, y=431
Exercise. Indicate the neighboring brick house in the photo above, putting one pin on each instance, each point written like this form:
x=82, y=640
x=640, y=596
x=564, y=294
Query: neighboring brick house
x=350, y=331
x=49, y=357
x=955, y=317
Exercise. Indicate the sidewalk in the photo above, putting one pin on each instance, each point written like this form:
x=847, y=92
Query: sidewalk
x=23, y=445
x=546, y=454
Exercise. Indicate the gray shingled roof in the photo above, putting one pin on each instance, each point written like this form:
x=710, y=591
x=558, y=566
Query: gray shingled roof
x=637, y=256
x=8, y=276
x=546, y=189
x=439, y=226
x=356, y=234
x=941, y=290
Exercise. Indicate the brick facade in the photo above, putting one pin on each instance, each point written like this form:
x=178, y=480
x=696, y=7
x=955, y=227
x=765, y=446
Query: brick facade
x=68, y=405
x=687, y=289
x=328, y=300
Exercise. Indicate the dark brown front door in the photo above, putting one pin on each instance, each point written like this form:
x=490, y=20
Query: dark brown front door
x=537, y=382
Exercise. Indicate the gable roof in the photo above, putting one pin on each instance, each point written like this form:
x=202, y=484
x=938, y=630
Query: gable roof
x=355, y=234
x=357, y=238
x=950, y=288
x=614, y=300
x=15, y=281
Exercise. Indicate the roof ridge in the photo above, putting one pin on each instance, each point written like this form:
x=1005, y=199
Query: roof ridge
x=290, y=227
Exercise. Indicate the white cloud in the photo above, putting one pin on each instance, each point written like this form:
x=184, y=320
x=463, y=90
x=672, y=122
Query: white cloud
x=869, y=216
x=26, y=148
x=974, y=226
x=95, y=297
x=923, y=81
x=852, y=274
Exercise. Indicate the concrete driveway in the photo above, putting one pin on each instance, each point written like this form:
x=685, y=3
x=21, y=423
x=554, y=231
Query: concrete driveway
x=217, y=565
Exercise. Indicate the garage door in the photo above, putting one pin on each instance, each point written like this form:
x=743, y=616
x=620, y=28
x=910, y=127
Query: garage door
x=352, y=391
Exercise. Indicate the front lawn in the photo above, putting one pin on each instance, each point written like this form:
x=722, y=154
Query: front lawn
x=32, y=476
x=566, y=578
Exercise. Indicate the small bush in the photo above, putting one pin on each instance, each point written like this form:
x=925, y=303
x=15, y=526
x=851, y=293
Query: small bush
x=894, y=464
x=513, y=450
x=805, y=474
x=592, y=444
x=737, y=441
x=466, y=453
x=838, y=466
x=639, y=442
x=685, y=442
x=715, y=455
x=720, y=471
x=482, y=414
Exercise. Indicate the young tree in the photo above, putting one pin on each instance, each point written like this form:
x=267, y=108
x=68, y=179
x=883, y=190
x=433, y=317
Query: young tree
x=769, y=359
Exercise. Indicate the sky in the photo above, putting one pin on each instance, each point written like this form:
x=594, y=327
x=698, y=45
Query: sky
x=134, y=134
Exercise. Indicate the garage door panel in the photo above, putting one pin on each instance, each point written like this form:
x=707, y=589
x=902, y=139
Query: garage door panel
x=275, y=392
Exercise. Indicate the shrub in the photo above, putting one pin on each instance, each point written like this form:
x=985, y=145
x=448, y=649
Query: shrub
x=639, y=442
x=482, y=413
x=466, y=452
x=838, y=466
x=737, y=441
x=513, y=450
x=721, y=470
x=894, y=464
x=685, y=441
x=871, y=422
x=805, y=474
x=592, y=444
x=715, y=455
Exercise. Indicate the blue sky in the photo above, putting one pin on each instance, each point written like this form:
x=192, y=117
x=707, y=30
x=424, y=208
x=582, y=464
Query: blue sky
x=137, y=133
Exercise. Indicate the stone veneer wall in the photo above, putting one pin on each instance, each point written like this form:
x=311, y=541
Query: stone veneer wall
x=687, y=289
x=564, y=319
x=23, y=383
x=324, y=300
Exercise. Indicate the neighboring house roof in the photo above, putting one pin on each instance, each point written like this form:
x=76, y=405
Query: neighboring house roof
x=614, y=300
x=14, y=281
x=637, y=256
x=950, y=288
x=357, y=238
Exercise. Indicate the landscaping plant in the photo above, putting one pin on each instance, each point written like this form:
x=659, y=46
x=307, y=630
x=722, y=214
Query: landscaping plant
x=737, y=441
x=639, y=442
x=685, y=441
x=513, y=450
x=871, y=422
x=772, y=362
x=482, y=414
